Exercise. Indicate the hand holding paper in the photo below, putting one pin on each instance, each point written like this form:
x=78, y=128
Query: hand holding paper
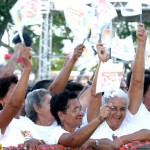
x=102, y=53
x=141, y=33
x=78, y=51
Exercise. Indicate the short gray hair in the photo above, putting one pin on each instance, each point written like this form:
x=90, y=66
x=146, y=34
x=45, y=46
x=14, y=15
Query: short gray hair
x=115, y=93
x=35, y=97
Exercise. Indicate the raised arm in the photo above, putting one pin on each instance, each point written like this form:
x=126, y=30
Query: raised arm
x=137, y=79
x=9, y=68
x=60, y=82
x=85, y=94
x=95, y=99
x=16, y=98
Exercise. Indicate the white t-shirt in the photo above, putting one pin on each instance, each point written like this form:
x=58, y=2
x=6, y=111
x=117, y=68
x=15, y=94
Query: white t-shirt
x=54, y=136
x=141, y=119
x=45, y=131
x=128, y=126
x=131, y=123
x=17, y=132
x=104, y=131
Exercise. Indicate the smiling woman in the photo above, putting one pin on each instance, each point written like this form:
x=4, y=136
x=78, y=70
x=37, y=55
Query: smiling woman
x=126, y=119
x=114, y=124
x=67, y=111
x=120, y=102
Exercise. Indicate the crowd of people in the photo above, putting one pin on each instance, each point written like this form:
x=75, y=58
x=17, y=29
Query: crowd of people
x=65, y=112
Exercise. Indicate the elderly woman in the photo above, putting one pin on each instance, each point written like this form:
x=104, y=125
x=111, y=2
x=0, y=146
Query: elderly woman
x=37, y=103
x=114, y=125
x=67, y=110
x=124, y=115
x=14, y=129
x=37, y=108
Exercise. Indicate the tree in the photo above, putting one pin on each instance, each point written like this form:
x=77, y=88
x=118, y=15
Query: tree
x=57, y=45
x=5, y=19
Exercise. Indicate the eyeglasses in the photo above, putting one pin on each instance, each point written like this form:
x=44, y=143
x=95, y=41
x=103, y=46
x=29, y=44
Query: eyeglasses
x=78, y=111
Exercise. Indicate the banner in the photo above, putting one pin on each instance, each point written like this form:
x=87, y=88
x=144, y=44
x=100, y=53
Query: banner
x=82, y=19
x=109, y=76
x=123, y=48
x=26, y=12
x=78, y=19
x=105, y=12
x=87, y=59
x=100, y=23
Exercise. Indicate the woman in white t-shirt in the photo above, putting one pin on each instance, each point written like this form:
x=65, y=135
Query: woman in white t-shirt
x=37, y=108
x=67, y=111
x=14, y=129
x=125, y=117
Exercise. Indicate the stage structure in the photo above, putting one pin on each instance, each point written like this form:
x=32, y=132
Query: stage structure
x=45, y=51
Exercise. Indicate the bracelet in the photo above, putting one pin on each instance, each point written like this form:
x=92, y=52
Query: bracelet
x=97, y=144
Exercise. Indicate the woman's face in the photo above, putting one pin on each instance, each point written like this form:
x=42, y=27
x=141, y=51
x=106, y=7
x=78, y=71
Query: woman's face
x=74, y=114
x=44, y=111
x=117, y=113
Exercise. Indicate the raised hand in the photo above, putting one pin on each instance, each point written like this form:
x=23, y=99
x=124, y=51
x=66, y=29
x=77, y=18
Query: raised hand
x=78, y=51
x=141, y=33
x=26, y=56
x=19, y=48
x=102, y=53
x=105, y=111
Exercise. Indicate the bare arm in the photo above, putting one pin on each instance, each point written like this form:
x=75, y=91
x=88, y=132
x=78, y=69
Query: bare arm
x=77, y=138
x=95, y=99
x=10, y=66
x=60, y=82
x=16, y=99
x=137, y=79
x=85, y=95
x=140, y=135
x=103, y=144
x=84, y=98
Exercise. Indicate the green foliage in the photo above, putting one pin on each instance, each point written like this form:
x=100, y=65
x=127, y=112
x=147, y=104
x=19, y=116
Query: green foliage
x=60, y=31
x=124, y=29
x=5, y=17
x=57, y=64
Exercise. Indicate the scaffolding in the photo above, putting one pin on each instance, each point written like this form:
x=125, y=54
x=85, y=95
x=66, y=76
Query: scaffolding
x=45, y=50
x=119, y=4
